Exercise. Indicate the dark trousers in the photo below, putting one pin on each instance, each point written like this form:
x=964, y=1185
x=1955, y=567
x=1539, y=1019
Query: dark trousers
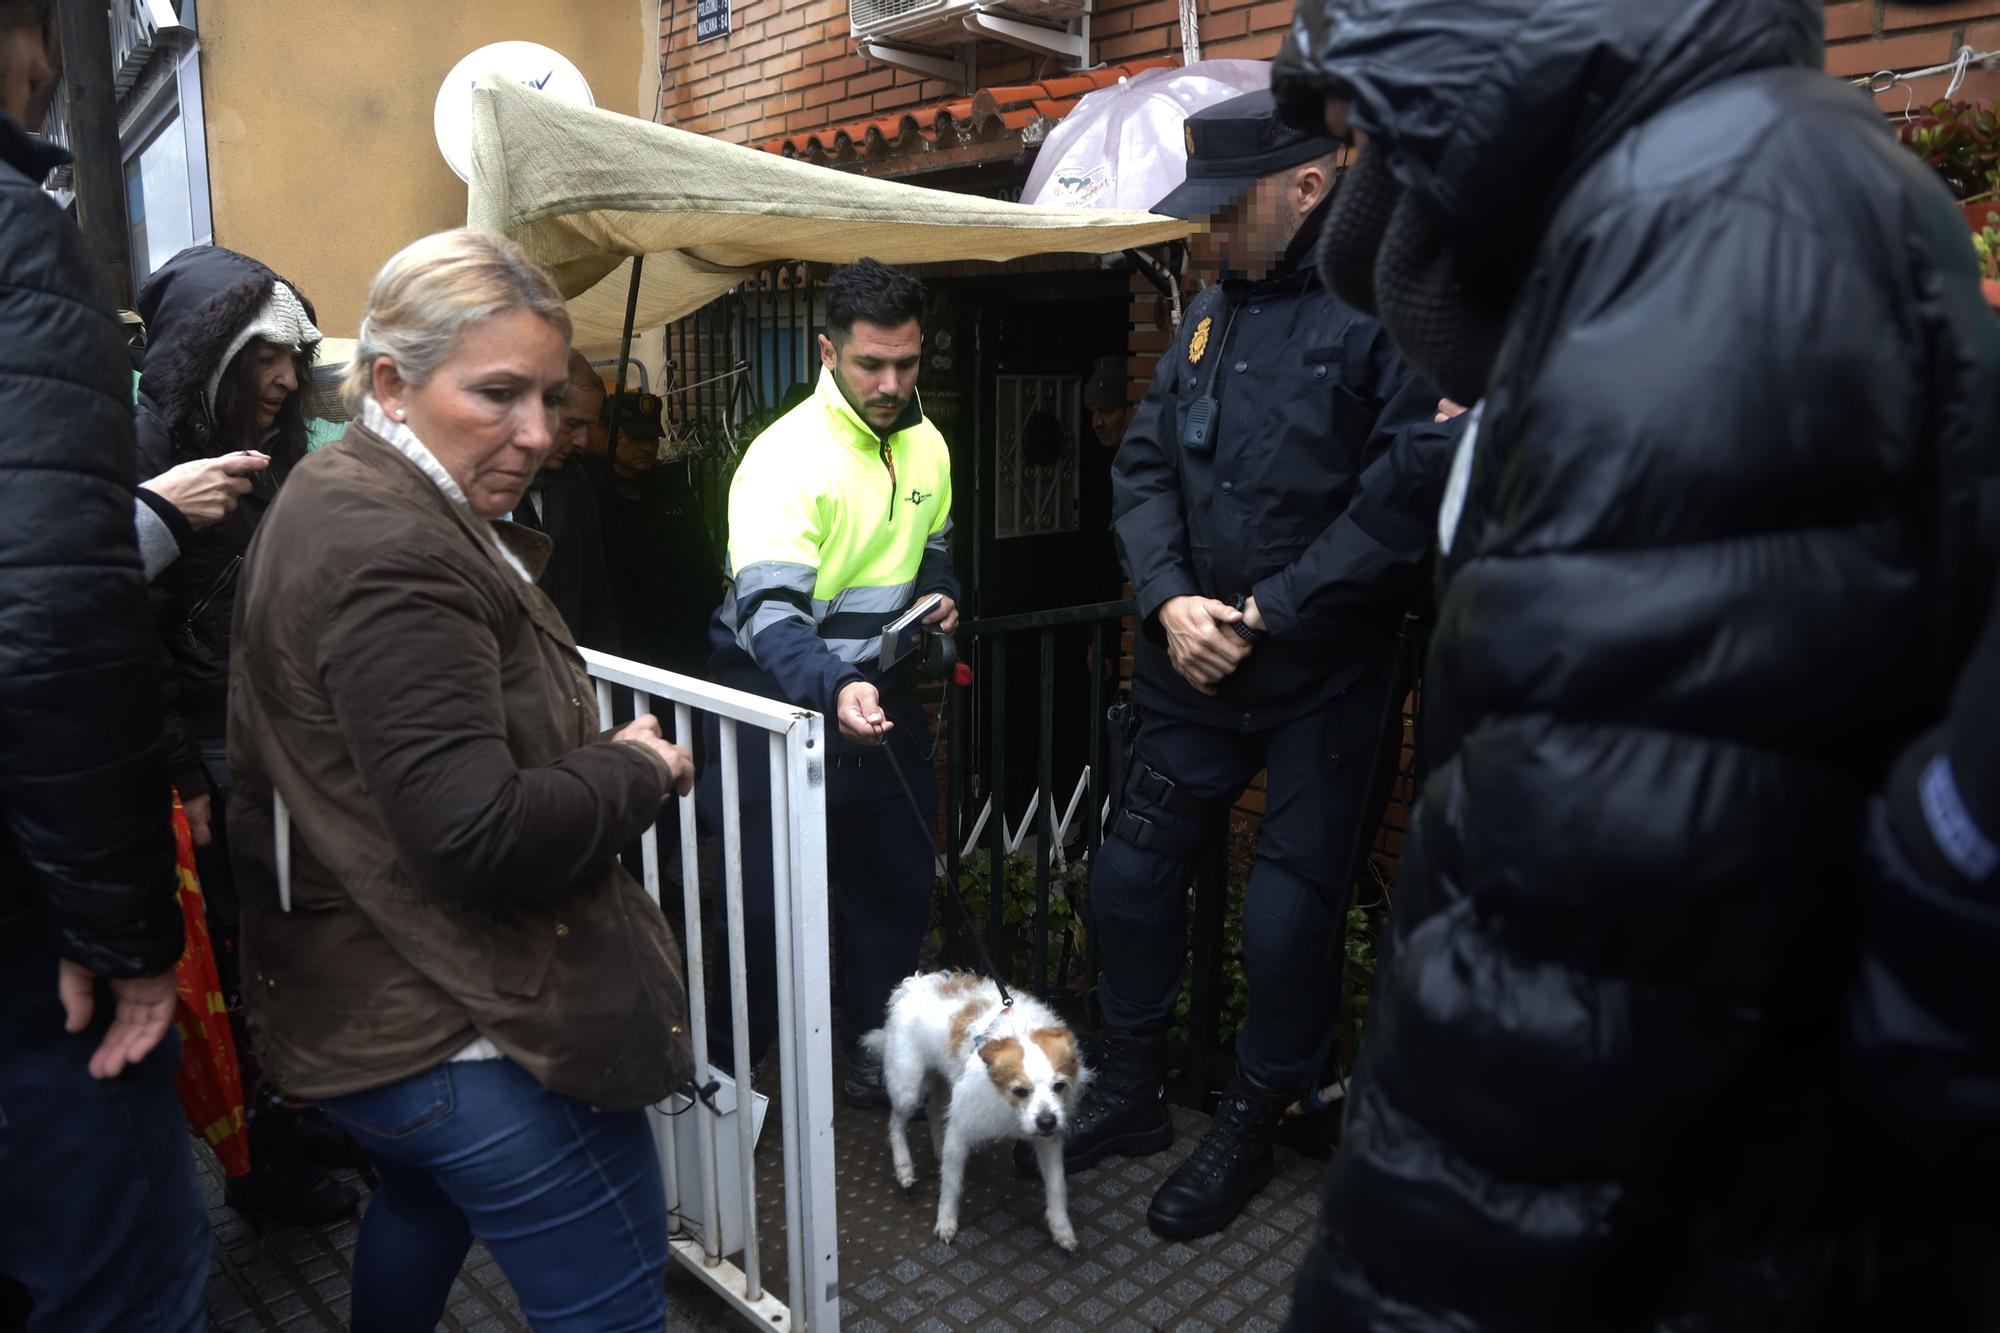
x=880, y=867
x=1323, y=791
x=218, y=879
x=567, y=1198
x=100, y=1218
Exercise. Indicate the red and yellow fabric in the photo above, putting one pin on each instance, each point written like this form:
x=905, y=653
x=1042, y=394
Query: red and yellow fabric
x=210, y=1082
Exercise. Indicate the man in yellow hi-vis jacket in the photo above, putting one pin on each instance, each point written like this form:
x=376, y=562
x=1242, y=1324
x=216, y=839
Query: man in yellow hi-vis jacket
x=839, y=518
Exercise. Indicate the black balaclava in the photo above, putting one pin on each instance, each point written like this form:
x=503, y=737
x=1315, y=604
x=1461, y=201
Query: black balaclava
x=1384, y=251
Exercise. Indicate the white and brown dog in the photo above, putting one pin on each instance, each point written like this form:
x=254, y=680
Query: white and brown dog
x=1006, y=1074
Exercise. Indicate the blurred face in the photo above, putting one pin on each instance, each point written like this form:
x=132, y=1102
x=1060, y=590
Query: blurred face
x=27, y=76
x=876, y=368
x=636, y=456
x=1108, y=424
x=276, y=377
x=1250, y=235
x=573, y=424
x=489, y=413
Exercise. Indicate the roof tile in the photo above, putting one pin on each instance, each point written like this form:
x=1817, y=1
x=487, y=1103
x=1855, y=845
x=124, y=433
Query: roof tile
x=989, y=113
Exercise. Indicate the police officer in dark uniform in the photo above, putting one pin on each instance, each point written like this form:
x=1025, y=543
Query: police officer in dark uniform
x=1275, y=501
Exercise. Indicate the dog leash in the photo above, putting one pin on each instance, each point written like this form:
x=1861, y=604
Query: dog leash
x=950, y=874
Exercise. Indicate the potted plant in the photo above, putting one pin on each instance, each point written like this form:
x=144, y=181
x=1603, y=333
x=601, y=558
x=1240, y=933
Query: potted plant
x=1986, y=244
x=1961, y=142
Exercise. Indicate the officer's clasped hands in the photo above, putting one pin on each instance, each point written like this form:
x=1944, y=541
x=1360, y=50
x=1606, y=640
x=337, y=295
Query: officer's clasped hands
x=1200, y=645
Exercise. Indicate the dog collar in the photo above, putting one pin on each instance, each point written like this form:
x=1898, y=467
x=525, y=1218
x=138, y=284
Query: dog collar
x=985, y=1034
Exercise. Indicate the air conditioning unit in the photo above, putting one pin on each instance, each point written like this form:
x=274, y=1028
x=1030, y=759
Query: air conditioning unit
x=921, y=34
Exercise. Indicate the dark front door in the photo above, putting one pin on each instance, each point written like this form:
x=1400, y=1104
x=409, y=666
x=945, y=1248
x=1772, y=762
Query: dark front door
x=1005, y=364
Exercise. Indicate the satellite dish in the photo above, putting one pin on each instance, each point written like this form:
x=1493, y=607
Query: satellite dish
x=528, y=63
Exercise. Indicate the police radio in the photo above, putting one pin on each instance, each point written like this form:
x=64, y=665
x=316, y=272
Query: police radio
x=1198, y=431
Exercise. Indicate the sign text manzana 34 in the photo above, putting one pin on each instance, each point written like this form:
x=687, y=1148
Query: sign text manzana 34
x=711, y=19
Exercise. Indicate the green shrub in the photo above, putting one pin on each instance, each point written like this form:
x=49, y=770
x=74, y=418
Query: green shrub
x=1017, y=906
x=1961, y=142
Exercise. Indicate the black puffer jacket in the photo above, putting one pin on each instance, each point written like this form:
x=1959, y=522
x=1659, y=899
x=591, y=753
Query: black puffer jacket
x=193, y=308
x=86, y=848
x=1697, y=596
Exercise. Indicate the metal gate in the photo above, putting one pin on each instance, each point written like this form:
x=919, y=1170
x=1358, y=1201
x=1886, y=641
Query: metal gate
x=722, y=1124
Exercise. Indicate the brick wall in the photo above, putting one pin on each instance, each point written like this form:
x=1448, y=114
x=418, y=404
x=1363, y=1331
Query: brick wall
x=790, y=64
x=1863, y=36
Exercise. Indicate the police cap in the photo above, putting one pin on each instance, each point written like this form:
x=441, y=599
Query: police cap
x=638, y=415
x=1233, y=145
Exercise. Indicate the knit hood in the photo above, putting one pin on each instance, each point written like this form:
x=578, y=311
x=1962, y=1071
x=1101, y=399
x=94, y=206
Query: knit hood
x=200, y=309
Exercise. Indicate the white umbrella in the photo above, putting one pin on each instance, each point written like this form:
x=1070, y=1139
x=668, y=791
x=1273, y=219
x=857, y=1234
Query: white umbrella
x=1122, y=147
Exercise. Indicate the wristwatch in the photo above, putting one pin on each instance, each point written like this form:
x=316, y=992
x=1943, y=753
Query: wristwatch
x=1242, y=627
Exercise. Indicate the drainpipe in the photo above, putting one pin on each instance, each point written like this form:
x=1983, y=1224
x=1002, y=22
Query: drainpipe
x=1190, y=33
x=85, y=34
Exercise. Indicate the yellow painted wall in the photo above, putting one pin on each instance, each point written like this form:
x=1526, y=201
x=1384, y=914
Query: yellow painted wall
x=322, y=161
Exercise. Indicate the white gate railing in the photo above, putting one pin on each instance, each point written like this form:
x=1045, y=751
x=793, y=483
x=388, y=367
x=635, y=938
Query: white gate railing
x=703, y=1209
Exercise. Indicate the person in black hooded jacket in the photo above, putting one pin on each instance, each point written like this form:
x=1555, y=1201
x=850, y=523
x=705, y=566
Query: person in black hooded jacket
x=229, y=346
x=1703, y=552
x=101, y=1222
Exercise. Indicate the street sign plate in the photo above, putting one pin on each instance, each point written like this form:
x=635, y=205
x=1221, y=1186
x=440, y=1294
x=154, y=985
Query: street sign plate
x=711, y=19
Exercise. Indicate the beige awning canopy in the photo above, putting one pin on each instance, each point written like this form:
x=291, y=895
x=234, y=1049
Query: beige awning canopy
x=583, y=190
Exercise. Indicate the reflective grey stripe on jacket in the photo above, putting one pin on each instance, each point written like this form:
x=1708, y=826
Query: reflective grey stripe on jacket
x=939, y=545
x=775, y=590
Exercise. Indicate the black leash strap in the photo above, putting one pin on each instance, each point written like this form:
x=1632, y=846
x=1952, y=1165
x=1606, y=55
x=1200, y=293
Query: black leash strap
x=951, y=877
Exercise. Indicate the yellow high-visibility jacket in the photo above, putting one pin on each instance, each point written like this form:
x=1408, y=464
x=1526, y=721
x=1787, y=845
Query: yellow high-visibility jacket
x=834, y=530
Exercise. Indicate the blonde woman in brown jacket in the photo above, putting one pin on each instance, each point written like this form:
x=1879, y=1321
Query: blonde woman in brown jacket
x=465, y=979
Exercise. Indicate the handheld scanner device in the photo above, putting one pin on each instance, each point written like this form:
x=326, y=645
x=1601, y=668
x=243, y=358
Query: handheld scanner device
x=905, y=634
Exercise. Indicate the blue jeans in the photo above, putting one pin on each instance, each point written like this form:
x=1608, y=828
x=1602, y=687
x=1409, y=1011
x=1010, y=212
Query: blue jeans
x=100, y=1217
x=568, y=1199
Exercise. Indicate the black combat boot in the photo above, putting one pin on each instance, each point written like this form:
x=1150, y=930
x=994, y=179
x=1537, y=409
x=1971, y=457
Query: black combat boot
x=1124, y=1106
x=1227, y=1168
x=283, y=1187
x=304, y=1132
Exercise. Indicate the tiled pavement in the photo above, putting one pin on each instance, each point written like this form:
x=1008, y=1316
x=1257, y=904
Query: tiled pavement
x=297, y=1279
x=1002, y=1274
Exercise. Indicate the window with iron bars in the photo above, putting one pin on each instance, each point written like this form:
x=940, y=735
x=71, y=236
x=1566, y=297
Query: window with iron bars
x=732, y=368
